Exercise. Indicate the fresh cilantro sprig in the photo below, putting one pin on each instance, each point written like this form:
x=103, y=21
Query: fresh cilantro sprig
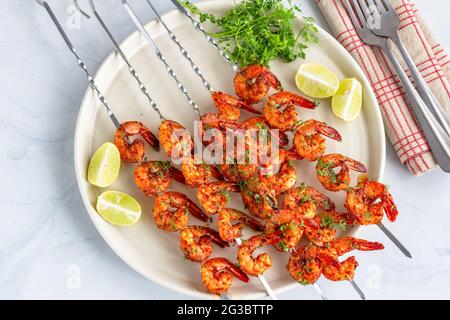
x=259, y=31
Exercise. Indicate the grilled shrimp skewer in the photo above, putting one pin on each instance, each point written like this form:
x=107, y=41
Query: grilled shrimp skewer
x=365, y=196
x=305, y=202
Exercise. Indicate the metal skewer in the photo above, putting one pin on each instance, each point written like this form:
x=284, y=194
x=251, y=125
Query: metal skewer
x=358, y=289
x=320, y=291
x=131, y=69
x=210, y=39
x=397, y=242
x=153, y=45
x=80, y=62
x=183, y=51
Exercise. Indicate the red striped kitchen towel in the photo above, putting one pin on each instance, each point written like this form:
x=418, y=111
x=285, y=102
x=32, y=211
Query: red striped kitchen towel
x=432, y=61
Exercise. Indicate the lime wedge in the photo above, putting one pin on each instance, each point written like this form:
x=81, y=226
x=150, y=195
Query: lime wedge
x=104, y=166
x=316, y=81
x=347, y=101
x=118, y=208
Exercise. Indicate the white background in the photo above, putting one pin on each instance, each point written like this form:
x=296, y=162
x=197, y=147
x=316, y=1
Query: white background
x=48, y=246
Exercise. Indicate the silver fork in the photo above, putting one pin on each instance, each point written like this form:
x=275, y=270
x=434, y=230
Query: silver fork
x=369, y=38
x=386, y=23
x=435, y=135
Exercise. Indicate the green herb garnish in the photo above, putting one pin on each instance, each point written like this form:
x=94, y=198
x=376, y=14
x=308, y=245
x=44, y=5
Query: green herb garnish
x=258, y=31
x=325, y=169
x=328, y=222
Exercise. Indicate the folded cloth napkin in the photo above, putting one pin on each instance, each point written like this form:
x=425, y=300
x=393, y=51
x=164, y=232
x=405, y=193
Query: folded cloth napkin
x=431, y=60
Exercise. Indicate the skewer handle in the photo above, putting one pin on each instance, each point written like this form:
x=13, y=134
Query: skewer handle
x=358, y=289
x=80, y=62
x=210, y=39
x=183, y=51
x=397, y=242
x=320, y=291
x=160, y=56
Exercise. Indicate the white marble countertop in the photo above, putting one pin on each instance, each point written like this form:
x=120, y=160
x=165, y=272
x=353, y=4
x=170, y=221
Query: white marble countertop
x=49, y=247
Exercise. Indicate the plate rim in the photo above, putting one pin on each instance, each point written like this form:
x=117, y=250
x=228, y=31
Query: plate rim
x=80, y=176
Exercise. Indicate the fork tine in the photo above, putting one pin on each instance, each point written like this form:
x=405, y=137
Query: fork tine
x=388, y=6
x=380, y=5
x=365, y=10
x=362, y=19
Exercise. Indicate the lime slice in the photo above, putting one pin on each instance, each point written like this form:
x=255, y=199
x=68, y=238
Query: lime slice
x=118, y=208
x=347, y=101
x=104, y=166
x=316, y=81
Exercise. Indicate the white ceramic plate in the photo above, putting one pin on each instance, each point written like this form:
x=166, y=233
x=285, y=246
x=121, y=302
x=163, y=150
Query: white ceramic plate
x=154, y=253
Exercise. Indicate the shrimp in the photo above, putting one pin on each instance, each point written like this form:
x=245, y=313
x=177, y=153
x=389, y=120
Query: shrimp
x=253, y=83
x=134, y=152
x=271, y=163
x=258, y=199
x=229, y=106
x=153, y=177
x=308, y=263
x=304, y=266
x=260, y=124
x=297, y=197
x=308, y=141
x=284, y=180
x=310, y=200
x=368, y=201
x=217, y=275
x=329, y=222
x=286, y=177
x=171, y=209
x=260, y=264
x=284, y=119
x=214, y=128
x=195, y=174
x=291, y=225
x=228, y=231
x=196, y=242
x=175, y=139
x=214, y=196
x=217, y=121
x=345, y=270
x=331, y=180
x=238, y=172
